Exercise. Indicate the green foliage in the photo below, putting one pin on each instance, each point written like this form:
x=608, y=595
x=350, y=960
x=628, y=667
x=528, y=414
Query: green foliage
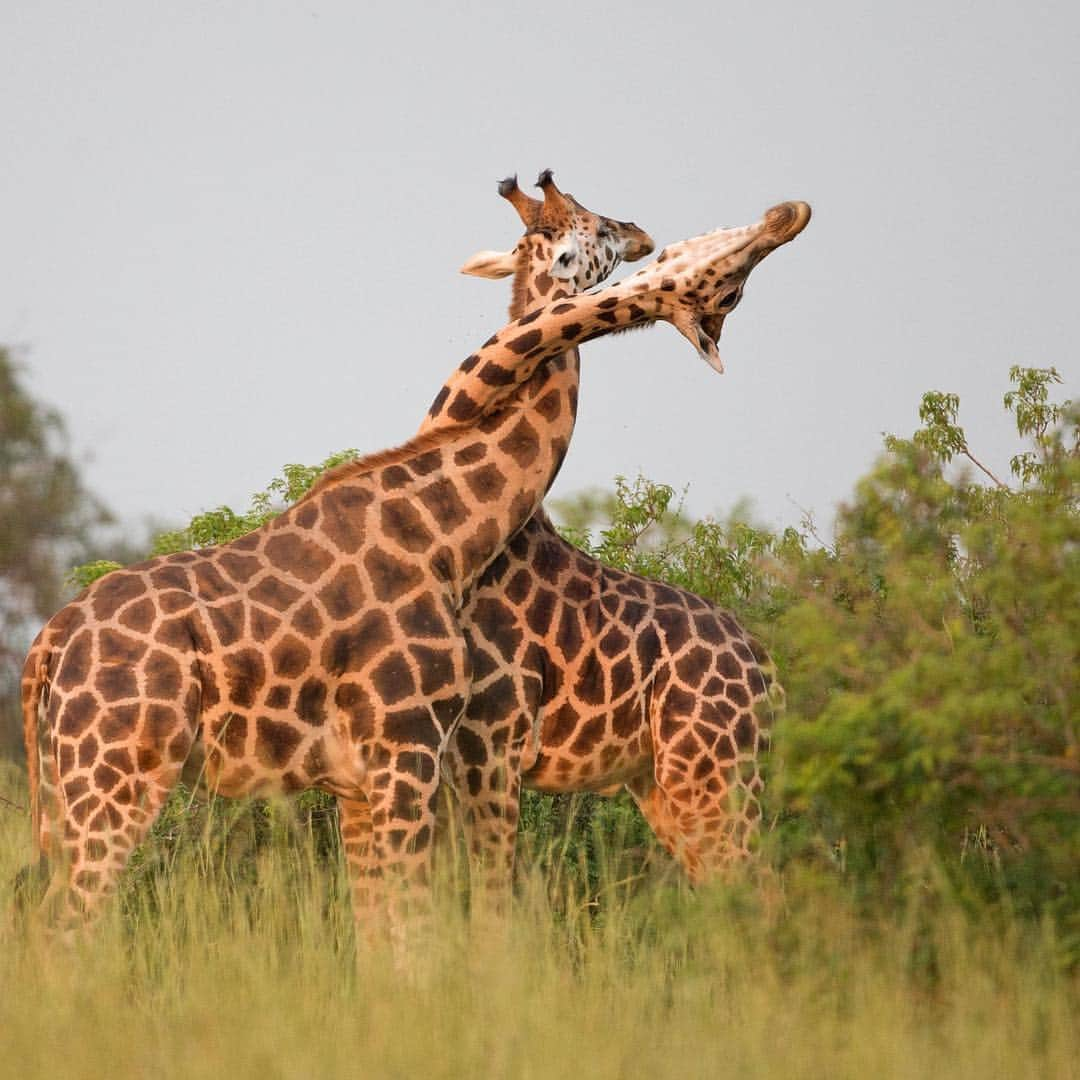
x=223, y=524
x=930, y=661
x=47, y=520
x=86, y=573
x=1036, y=418
x=731, y=562
x=929, y=652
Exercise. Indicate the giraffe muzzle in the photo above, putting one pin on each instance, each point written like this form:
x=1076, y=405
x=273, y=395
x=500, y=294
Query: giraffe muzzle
x=786, y=221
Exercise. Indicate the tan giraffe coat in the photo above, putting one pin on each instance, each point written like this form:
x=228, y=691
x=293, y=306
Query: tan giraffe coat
x=324, y=649
x=586, y=678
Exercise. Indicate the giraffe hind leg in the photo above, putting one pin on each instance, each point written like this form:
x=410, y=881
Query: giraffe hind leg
x=698, y=816
x=113, y=779
x=667, y=825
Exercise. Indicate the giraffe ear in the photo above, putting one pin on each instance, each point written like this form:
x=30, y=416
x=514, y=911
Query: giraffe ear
x=703, y=334
x=565, y=258
x=490, y=264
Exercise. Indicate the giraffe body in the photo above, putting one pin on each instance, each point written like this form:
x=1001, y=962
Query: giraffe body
x=325, y=648
x=586, y=678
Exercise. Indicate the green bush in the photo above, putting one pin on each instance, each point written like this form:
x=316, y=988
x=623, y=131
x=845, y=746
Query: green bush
x=929, y=652
x=931, y=660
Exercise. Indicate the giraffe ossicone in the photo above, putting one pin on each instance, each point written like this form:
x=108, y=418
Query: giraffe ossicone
x=325, y=649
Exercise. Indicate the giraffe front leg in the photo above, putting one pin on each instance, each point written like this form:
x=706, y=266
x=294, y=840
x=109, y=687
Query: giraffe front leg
x=388, y=863
x=488, y=800
x=354, y=823
x=415, y=697
x=485, y=759
x=393, y=891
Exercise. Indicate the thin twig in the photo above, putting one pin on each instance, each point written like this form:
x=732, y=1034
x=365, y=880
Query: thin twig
x=979, y=465
x=12, y=805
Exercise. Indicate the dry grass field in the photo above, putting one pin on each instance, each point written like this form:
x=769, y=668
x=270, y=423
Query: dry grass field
x=200, y=970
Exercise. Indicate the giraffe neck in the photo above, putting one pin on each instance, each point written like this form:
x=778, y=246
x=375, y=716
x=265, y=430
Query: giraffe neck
x=483, y=471
x=532, y=286
x=486, y=380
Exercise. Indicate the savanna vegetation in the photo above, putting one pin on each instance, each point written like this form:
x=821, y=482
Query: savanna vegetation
x=915, y=910
x=48, y=522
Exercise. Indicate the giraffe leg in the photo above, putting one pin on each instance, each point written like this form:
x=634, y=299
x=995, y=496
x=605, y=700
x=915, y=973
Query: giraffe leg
x=381, y=898
x=97, y=845
x=489, y=816
x=403, y=816
x=663, y=819
x=484, y=760
x=354, y=822
x=111, y=786
x=697, y=818
x=450, y=865
x=701, y=800
x=407, y=724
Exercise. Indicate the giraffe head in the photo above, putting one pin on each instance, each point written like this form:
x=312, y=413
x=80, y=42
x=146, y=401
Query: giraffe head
x=566, y=248
x=728, y=256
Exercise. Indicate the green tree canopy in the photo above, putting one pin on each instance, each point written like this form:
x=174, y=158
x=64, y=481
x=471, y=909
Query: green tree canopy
x=47, y=516
x=47, y=520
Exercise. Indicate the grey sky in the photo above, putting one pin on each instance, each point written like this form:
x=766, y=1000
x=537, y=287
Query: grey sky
x=229, y=232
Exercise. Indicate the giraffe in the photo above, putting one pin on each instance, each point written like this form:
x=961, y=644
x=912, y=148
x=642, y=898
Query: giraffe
x=587, y=678
x=324, y=649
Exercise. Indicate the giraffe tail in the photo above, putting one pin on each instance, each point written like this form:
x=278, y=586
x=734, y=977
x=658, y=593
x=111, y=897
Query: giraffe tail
x=35, y=697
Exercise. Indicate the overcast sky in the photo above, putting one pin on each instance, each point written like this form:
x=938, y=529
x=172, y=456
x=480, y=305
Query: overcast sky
x=229, y=232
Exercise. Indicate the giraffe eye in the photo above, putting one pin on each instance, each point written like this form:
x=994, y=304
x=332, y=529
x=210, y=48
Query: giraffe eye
x=730, y=300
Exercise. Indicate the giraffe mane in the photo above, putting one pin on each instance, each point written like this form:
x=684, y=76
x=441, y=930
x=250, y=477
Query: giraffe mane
x=380, y=459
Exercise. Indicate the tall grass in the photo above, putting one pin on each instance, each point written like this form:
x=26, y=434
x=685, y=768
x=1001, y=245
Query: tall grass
x=216, y=963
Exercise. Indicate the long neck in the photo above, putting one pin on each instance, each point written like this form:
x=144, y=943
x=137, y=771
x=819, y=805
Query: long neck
x=487, y=380
x=532, y=286
x=525, y=385
x=486, y=467
x=557, y=383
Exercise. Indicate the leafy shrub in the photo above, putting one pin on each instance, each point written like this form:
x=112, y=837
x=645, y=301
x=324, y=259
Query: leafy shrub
x=930, y=662
x=928, y=649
